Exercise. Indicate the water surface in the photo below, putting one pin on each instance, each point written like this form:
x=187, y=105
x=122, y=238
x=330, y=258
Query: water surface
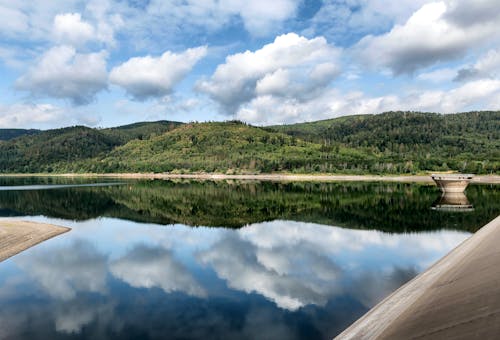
x=220, y=260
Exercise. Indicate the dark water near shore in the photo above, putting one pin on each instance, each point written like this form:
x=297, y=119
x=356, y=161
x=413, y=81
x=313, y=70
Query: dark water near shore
x=219, y=260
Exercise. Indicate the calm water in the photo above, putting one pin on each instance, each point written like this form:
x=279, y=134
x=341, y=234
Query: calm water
x=226, y=260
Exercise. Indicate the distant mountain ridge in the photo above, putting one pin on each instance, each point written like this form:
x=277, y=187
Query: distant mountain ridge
x=392, y=142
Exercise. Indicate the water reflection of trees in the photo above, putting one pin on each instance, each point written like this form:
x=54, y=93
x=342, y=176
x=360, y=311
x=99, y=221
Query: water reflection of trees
x=393, y=207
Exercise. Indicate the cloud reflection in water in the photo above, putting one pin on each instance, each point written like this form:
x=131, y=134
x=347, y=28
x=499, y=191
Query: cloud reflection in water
x=147, y=267
x=99, y=278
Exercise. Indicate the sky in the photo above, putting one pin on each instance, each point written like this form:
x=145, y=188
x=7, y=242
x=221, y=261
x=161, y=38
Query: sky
x=106, y=63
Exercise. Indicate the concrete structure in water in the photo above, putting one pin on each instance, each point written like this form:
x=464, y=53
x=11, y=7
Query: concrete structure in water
x=454, y=183
x=453, y=202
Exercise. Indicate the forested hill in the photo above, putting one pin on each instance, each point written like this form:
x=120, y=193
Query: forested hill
x=427, y=138
x=392, y=129
x=47, y=151
x=7, y=134
x=393, y=142
x=141, y=130
x=224, y=147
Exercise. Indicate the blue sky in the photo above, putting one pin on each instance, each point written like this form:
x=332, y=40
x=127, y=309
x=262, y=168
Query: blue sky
x=112, y=62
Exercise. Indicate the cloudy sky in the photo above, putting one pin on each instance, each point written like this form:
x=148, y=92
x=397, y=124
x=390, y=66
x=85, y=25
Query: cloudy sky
x=112, y=62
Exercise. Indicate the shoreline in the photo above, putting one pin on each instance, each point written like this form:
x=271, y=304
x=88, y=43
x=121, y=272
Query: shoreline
x=486, y=179
x=17, y=236
x=457, y=297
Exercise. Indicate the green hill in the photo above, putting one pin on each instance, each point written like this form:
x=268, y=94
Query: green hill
x=393, y=142
x=464, y=142
x=7, y=134
x=222, y=147
x=142, y=130
x=40, y=152
x=56, y=150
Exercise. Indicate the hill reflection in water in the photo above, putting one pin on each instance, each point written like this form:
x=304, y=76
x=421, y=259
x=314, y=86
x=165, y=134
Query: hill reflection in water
x=392, y=207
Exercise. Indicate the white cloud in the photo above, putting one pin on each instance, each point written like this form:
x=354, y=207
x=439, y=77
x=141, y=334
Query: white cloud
x=30, y=20
x=260, y=16
x=468, y=96
x=108, y=19
x=69, y=28
x=488, y=66
x=145, y=77
x=479, y=94
x=291, y=67
x=43, y=116
x=16, y=115
x=429, y=36
x=63, y=73
x=474, y=92
x=439, y=75
x=472, y=13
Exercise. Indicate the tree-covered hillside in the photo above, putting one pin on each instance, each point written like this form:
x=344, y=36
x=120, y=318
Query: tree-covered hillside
x=393, y=142
x=46, y=151
x=142, y=130
x=464, y=142
x=222, y=147
x=7, y=134
x=39, y=152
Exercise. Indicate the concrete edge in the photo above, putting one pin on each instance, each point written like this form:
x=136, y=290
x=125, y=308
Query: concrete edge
x=377, y=319
x=40, y=232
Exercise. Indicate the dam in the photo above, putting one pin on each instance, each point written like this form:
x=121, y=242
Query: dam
x=456, y=298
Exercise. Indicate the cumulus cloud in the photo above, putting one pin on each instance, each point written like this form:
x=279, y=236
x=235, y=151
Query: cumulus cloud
x=147, y=267
x=436, y=32
x=146, y=77
x=488, y=66
x=48, y=20
x=63, y=73
x=291, y=67
x=108, y=19
x=17, y=115
x=43, y=116
x=476, y=13
x=69, y=28
x=473, y=95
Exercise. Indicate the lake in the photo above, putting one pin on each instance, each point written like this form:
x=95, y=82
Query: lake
x=219, y=260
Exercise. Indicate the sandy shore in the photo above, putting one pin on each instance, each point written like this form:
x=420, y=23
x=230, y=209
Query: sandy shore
x=457, y=298
x=487, y=179
x=16, y=236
